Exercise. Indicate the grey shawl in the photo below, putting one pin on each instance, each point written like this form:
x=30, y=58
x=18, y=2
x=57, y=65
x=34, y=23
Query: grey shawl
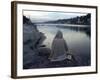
x=59, y=48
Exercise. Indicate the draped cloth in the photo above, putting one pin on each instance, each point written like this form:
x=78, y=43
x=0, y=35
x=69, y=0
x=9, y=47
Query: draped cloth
x=59, y=48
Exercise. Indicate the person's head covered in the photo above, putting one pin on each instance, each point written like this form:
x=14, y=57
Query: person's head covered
x=59, y=34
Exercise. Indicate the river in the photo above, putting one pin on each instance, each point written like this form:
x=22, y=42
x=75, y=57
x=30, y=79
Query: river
x=78, y=41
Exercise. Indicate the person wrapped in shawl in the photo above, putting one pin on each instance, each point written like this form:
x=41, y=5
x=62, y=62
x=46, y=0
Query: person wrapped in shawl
x=59, y=48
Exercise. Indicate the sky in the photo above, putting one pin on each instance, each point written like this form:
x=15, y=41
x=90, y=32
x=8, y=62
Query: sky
x=42, y=16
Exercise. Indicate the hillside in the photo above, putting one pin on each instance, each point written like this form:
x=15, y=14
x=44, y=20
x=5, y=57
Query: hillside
x=84, y=20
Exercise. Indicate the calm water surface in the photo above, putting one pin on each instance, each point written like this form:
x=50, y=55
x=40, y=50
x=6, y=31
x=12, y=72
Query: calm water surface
x=78, y=41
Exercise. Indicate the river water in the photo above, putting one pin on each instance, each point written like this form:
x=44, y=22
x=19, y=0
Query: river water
x=78, y=41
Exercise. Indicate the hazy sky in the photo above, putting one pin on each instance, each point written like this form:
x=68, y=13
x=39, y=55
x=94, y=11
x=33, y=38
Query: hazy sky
x=42, y=16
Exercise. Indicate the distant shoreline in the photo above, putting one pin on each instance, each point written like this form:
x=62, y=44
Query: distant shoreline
x=72, y=25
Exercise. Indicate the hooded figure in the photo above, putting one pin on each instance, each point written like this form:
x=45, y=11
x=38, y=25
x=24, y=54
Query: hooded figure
x=59, y=48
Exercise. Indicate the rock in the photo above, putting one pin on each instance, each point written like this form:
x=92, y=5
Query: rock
x=32, y=40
